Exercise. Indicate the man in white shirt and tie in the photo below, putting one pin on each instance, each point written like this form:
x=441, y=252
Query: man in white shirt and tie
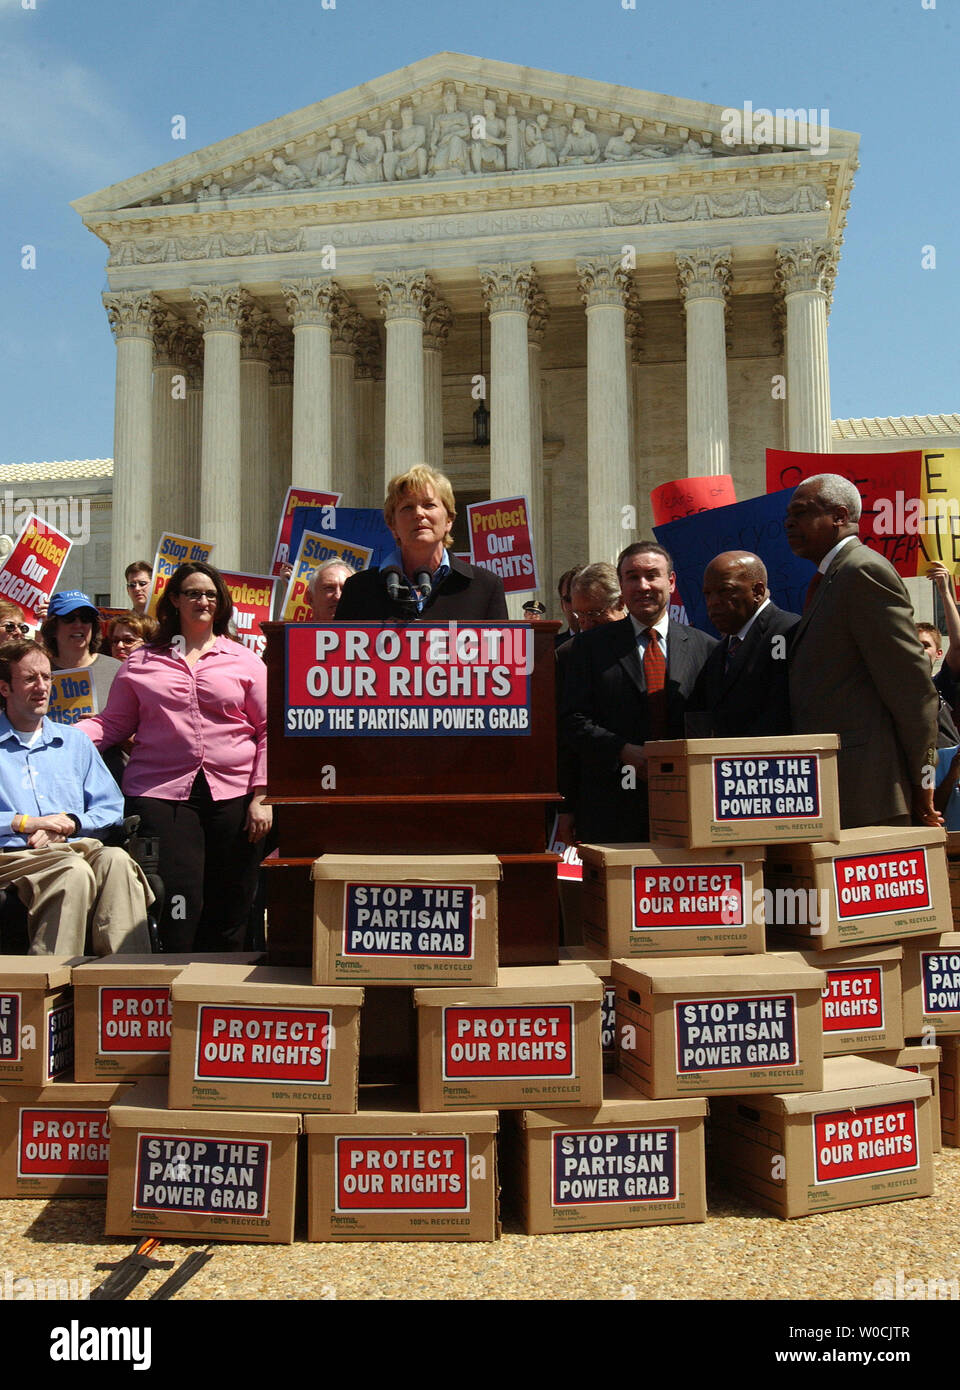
x=627, y=683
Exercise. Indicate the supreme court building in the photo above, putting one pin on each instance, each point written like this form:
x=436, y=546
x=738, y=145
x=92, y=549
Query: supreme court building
x=316, y=300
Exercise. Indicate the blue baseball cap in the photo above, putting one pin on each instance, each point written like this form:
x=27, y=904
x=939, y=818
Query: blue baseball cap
x=62, y=605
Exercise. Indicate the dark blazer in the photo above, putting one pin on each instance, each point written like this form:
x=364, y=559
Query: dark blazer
x=857, y=669
x=604, y=705
x=466, y=592
x=751, y=698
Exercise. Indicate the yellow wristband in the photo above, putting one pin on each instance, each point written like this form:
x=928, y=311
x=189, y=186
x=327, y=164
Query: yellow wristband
x=17, y=823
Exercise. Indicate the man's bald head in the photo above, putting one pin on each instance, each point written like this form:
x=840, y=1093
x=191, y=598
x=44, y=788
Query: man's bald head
x=734, y=586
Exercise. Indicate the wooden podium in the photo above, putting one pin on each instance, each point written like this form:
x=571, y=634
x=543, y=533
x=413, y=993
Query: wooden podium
x=409, y=793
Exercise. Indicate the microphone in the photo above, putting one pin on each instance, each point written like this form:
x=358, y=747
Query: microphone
x=392, y=576
x=424, y=582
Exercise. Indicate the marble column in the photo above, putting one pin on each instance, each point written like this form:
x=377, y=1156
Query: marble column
x=635, y=332
x=170, y=499
x=401, y=295
x=131, y=315
x=257, y=526
x=369, y=402
x=311, y=305
x=347, y=324
x=805, y=275
x=542, y=538
x=507, y=291
x=281, y=425
x=603, y=288
x=704, y=277
x=193, y=364
x=219, y=309
x=437, y=321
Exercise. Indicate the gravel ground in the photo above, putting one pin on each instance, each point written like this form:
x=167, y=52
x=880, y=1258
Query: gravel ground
x=738, y=1253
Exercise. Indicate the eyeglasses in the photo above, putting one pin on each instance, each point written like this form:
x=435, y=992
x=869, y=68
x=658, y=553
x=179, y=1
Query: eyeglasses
x=138, y=584
x=16, y=627
x=199, y=595
x=595, y=613
x=126, y=641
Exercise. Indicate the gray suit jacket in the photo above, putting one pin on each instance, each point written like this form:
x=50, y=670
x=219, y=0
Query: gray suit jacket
x=857, y=669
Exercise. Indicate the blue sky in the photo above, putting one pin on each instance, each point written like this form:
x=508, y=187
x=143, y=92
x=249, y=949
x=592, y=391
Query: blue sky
x=90, y=88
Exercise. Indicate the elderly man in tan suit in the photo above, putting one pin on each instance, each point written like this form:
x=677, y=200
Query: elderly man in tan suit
x=856, y=666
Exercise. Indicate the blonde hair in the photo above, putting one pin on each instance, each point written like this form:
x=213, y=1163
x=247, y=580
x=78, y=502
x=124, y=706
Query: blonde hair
x=419, y=480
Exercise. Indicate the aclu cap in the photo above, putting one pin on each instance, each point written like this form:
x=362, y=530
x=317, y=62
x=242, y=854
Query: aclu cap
x=62, y=605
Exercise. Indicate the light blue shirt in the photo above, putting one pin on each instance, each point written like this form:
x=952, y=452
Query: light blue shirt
x=61, y=771
x=951, y=812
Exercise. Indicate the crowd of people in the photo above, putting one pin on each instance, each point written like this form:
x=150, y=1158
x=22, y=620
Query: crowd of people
x=183, y=707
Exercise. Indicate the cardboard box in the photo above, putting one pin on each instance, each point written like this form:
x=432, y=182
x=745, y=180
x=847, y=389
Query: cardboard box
x=626, y=1162
x=876, y=883
x=260, y=1037
x=949, y=1089
x=55, y=1139
x=391, y=1172
x=648, y=900
x=602, y=967
x=931, y=985
x=743, y=791
x=861, y=1009
x=922, y=1060
x=714, y=1025
x=863, y=1138
x=199, y=1176
x=124, y=1012
x=533, y=1039
x=405, y=919
x=36, y=1018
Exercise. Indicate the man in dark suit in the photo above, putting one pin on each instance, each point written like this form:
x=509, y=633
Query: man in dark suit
x=856, y=667
x=419, y=581
x=626, y=683
x=742, y=691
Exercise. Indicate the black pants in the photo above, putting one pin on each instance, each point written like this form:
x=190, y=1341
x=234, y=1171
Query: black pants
x=208, y=866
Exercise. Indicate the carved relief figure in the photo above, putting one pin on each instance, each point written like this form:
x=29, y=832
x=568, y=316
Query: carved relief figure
x=284, y=176
x=581, y=145
x=450, y=141
x=620, y=147
x=487, y=152
x=538, y=148
x=406, y=154
x=365, y=165
x=331, y=165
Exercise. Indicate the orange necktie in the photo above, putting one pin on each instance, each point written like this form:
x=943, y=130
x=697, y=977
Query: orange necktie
x=655, y=677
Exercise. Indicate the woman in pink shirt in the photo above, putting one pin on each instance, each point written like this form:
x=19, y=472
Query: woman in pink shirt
x=195, y=702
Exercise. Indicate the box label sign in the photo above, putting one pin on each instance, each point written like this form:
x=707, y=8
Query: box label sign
x=9, y=1028
x=870, y=885
x=55, y=1143
x=518, y=1041
x=400, y=1173
x=608, y=1018
x=408, y=920
x=134, y=1019
x=239, y=1043
x=592, y=1167
x=433, y=679
x=853, y=1000
x=759, y=788
x=940, y=979
x=59, y=1040
x=850, y=1144
x=729, y=1034
x=694, y=895
x=207, y=1176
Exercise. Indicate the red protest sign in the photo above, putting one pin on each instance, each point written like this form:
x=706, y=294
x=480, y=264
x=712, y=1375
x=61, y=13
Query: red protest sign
x=687, y=496
x=877, y=477
x=252, y=596
x=30, y=572
x=500, y=541
x=296, y=497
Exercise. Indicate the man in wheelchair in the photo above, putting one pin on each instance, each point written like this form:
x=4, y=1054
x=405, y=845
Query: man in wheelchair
x=58, y=803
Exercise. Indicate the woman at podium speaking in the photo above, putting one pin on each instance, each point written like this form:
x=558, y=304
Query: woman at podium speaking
x=421, y=581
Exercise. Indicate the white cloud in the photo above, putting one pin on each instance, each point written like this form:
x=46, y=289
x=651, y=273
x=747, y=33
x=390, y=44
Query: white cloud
x=59, y=118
